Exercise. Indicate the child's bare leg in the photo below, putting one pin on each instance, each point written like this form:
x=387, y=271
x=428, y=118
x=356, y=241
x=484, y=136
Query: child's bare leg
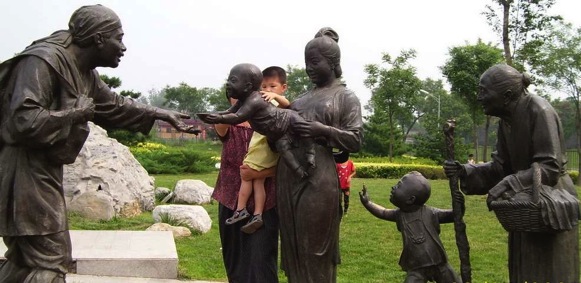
x=259, y=199
x=243, y=195
x=259, y=195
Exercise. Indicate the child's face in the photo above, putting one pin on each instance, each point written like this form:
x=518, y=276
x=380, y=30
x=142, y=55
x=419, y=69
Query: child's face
x=399, y=196
x=272, y=84
x=236, y=84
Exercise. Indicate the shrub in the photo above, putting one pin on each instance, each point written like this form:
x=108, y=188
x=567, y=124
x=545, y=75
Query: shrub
x=574, y=175
x=160, y=159
x=396, y=171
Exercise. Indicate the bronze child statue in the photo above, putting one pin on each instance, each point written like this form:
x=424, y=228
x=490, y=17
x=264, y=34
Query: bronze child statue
x=244, y=84
x=423, y=256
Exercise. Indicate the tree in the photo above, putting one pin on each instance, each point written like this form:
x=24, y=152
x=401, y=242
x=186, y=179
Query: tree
x=560, y=64
x=112, y=82
x=431, y=142
x=130, y=93
x=216, y=98
x=463, y=69
x=298, y=82
x=394, y=93
x=520, y=27
x=185, y=98
x=156, y=98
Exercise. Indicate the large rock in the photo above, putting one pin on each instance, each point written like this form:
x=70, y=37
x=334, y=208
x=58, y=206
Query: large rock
x=177, y=231
x=192, y=192
x=96, y=205
x=194, y=217
x=107, y=166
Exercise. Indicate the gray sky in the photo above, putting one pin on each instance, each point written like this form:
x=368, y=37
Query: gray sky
x=197, y=42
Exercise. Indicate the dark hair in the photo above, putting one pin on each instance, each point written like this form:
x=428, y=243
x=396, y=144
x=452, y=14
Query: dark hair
x=470, y=155
x=325, y=41
x=275, y=72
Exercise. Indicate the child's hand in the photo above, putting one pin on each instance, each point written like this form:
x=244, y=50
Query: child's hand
x=268, y=96
x=363, y=197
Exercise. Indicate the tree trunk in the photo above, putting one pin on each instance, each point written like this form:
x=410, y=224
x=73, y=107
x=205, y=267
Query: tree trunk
x=475, y=136
x=505, y=39
x=485, y=145
x=391, y=139
x=578, y=130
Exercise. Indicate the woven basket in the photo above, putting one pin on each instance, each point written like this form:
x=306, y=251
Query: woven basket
x=523, y=216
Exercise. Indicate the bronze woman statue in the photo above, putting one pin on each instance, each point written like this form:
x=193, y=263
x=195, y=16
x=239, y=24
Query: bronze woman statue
x=529, y=132
x=308, y=208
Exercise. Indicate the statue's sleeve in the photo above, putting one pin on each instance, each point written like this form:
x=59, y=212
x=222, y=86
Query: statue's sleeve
x=31, y=120
x=348, y=134
x=116, y=111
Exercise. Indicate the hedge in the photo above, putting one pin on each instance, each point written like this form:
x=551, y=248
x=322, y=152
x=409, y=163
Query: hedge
x=396, y=171
x=160, y=159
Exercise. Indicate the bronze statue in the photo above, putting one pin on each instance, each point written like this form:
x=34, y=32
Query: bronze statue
x=423, y=257
x=529, y=134
x=308, y=208
x=48, y=93
x=244, y=84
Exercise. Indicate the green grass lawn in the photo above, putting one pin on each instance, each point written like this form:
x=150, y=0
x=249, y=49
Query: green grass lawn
x=370, y=247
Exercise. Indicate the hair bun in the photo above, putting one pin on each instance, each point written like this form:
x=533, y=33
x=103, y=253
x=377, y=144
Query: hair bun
x=328, y=32
x=526, y=80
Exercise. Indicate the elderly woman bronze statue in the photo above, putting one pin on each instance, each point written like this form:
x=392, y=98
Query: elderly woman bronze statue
x=48, y=94
x=529, y=160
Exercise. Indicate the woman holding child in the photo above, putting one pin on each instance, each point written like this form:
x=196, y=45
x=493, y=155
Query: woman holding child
x=309, y=207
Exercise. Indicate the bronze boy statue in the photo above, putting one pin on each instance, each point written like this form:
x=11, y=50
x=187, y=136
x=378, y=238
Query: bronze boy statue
x=423, y=256
x=244, y=84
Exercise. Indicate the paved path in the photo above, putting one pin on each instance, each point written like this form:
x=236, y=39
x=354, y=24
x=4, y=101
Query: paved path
x=75, y=278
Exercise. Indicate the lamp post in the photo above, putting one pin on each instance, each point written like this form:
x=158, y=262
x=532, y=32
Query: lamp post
x=429, y=94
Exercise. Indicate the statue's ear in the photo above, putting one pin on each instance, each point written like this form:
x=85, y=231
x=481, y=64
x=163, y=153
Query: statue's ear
x=411, y=200
x=98, y=39
x=248, y=87
x=507, y=96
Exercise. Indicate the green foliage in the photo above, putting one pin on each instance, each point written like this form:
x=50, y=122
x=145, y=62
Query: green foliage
x=522, y=26
x=112, y=82
x=127, y=138
x=185, y=98
x=160, y=159
x=130, y=93
x=394, y=97
x=392, y=170
x=574, y=176
x=297, y=81
x=217, y=98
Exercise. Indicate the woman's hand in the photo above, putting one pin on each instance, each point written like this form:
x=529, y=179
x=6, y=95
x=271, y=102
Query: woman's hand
x=310, y=129
x=247, y=173
x=175, y=119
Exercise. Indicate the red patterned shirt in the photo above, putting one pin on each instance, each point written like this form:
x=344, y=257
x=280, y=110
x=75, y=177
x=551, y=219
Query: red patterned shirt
x=344, y=170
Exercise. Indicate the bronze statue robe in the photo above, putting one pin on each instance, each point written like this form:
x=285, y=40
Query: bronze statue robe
x=309, y=208
x=534, y=134
x=38, y=89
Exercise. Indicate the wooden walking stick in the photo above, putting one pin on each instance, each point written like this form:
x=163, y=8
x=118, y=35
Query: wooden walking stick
x=458, y=208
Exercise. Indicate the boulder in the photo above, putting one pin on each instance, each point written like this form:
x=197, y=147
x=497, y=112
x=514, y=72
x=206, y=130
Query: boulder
x=192, y=192
x=161, y=192
x=177, y=231
x=194, y=217
x=95, y=205
x=107, y=166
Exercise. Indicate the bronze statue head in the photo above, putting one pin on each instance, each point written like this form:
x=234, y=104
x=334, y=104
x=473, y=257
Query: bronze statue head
x=243, y=79
x=412, y=190
x=323, y=45
x=499, y=86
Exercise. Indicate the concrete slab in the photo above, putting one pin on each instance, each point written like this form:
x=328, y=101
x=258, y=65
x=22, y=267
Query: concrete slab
x=75, y=278
x=149, y=254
